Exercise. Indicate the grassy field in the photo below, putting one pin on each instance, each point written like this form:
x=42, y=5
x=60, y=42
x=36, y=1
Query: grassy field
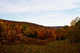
x=58, y=46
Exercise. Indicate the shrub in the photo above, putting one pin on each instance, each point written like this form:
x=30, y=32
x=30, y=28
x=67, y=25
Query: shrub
x=74, y=35
x=60, y=34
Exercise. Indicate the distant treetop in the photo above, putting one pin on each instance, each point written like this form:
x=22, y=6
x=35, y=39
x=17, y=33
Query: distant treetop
x=73, y=22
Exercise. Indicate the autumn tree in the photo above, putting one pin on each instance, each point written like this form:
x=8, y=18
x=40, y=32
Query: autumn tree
x=17, y=28
x=40, y=33
x=3, y=29
x=33, y=33
x=11, y=36
x=59, y=34
x=3, y=32
x=73, y=22
x=54, y=35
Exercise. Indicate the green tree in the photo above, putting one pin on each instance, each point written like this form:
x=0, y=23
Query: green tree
x=25, y=29
x=66, y=26
x=13, y=25
x=78, y=23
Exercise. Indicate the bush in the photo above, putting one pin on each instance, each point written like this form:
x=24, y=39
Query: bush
x=60, y=34
x=74, y=35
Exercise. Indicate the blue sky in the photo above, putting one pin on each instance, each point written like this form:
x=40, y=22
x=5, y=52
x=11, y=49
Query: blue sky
x=43, y=12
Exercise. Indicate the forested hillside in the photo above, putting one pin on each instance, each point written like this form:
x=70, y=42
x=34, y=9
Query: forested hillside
x=12, y=31
x=29, y=37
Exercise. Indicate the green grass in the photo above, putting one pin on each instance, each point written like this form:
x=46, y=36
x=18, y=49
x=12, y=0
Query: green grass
x=58, y=46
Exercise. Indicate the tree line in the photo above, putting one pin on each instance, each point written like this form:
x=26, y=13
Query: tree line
x=12, y=31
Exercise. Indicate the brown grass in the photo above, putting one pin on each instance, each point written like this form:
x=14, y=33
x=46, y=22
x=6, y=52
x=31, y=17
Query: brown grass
x=58, y=46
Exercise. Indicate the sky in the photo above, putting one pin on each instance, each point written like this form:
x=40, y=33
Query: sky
x=42, y=12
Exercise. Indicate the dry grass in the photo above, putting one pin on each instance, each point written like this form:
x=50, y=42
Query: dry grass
x=58, y=46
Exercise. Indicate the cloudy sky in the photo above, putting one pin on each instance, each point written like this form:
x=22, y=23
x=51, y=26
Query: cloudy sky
x=43, y=12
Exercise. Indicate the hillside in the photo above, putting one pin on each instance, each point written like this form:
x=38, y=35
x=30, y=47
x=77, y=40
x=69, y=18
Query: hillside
x=15, y=31
x=24, y=37
x=28, y=23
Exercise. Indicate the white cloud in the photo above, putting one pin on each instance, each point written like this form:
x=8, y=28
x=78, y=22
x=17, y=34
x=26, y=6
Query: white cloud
x=31, y=6
x=44, y=12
